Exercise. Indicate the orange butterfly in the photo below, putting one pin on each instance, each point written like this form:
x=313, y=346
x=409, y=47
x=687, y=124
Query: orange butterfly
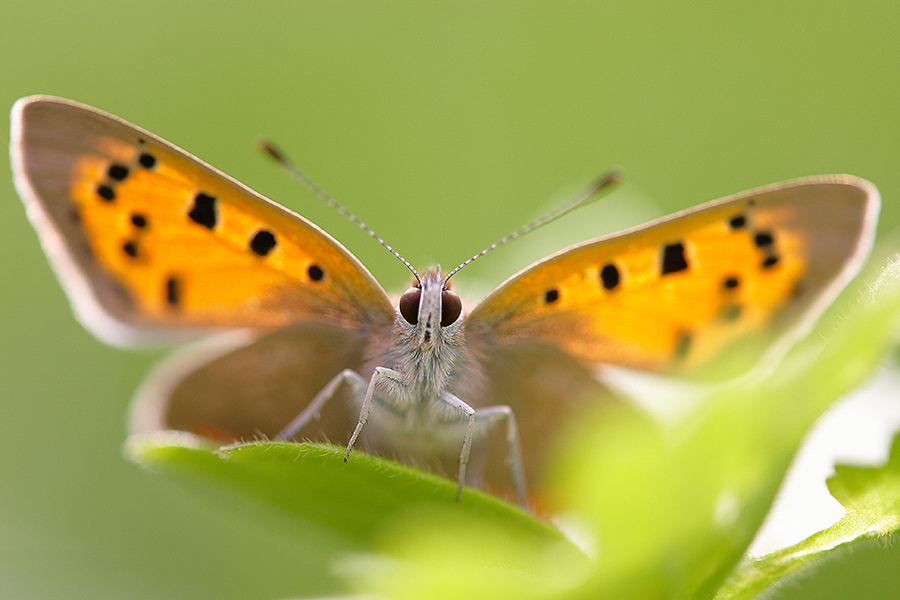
x=151, y=244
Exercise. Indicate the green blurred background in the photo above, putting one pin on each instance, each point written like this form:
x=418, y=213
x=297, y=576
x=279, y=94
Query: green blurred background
x=442, y=125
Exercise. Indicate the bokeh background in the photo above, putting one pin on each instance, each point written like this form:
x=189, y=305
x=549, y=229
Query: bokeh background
x=442, y=125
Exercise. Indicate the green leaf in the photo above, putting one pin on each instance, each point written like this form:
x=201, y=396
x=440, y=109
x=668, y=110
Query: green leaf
x=363, y=502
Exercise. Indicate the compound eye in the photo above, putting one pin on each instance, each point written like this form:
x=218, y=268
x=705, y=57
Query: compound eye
x=409, y=305
x=451, y=307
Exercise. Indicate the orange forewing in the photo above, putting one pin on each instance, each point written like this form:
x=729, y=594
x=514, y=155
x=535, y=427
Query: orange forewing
x=674, y=292
x=164, y=241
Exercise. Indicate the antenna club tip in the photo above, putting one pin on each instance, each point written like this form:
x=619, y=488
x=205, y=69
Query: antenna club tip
x=270, y=149
x=610, y=178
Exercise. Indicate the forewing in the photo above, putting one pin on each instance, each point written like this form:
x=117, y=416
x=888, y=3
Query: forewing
x=151, y=243
x=673, y=292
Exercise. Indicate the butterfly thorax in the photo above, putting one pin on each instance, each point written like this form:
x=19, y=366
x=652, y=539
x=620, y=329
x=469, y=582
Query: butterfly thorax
x=426, y=367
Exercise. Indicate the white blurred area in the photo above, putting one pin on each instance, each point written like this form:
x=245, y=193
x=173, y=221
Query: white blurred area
x=858, y=430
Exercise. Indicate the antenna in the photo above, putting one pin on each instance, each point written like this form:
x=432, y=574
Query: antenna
x=596, y=190
x=292, y=169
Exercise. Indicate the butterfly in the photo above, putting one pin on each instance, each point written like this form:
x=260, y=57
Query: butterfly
x=153, y=245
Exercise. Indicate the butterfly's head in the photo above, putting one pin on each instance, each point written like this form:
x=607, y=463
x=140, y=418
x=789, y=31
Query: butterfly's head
x=430, y=310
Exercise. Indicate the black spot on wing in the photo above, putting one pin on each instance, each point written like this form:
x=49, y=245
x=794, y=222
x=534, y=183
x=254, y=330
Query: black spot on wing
x=551, y=296
x=673, y=258
x=117, y=172
x=147, y=160
x=173, y=291
x=738, y=222
x=315, y=272
x=139, y=220
x=204, y=210
x=106, y=193
x=763, y=239
x=609, y=276
x=731, y=283
x=263, y=242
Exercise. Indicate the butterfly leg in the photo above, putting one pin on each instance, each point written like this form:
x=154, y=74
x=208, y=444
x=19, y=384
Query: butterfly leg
x=492, y=414
x=385, y=378
x=487, y=417
x=312, y=409
x=469, y=414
